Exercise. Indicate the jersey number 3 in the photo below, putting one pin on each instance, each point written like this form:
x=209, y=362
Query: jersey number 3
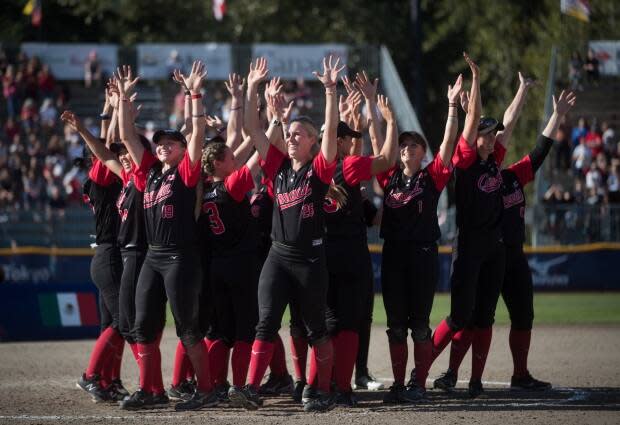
x=217, y=226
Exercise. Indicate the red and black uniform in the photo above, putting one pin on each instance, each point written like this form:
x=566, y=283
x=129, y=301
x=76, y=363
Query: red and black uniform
x=296, y=264
x=410, y=267
x=478, y=253
x=348, y=264
x=262, y=210
x=132, y=242
x=172, y=269
x=234, y=265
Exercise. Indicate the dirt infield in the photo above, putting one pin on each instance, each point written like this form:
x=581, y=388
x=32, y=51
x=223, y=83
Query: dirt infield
x=37, y=385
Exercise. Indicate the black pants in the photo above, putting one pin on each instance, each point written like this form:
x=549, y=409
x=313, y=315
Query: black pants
x=518, y=289
x=132, y=264
x=176, y=274
x=368, y=304
x=348, y=265
x=409, y=274
x=235, y=291
x=292, y=273
x=478, y=263
x=106, y=269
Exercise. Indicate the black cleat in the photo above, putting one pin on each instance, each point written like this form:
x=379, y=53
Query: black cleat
x=528, y=383
x=412, y=378
x=414, y=393
x=159, y=400
x=475, y=388
x=321, y=402
x=199, y=400
x=298, y=390
x=309, y=393
x=446, y=382
x=367, y=382
x=246, y=397
x=183, y=391
x=346, y=399
x=395, y=395
x=277, y=385
x=141, y=400
x=93, y=388
x=222, y=392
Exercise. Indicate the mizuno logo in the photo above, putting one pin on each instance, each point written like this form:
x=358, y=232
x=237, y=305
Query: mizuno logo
x=256, y=353
x=174, y=257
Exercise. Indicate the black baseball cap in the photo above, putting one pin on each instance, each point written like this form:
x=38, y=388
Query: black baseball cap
x=117, y=147
x=344, y=130
x=414, y=136
x=171, y=134
x=488, y=124
x=214, y=139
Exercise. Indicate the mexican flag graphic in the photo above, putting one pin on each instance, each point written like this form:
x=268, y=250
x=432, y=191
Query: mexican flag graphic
x=62, y=309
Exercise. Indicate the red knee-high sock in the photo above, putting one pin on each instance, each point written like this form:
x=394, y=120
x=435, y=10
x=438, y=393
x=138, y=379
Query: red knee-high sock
x=218, y=359
x=299, y=354
x=101, y=352
x=199, y=357
x=461, y=341
x=441, y=338
x=278, y=360
x=313, y=370
x=147, y=364
x=423, y=357
x=157, y=386
x=324, y=355
x=115, y=343
x=399, y=355
x=260, y=359
x=134, y=350
x=519, y=347
x=345, y=354
x=480, y=345
x=118, y=360
x=240, y=361
x=179, y=368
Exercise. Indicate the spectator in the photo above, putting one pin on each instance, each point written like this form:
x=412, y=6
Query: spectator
x=7, y=193
x=9, y=90
x=56, y=204
x=173, y=62
x=582, y=157
x=575, y=67
x=34, y=190
x=11, y=129
x=591, y=66
x=578, y=132
x=29, y=115
x=46, y=82
x=613, y=182
x=609, y=139
x=562, y=149
x=594, y=141
x=92, y=70
x=48, y=114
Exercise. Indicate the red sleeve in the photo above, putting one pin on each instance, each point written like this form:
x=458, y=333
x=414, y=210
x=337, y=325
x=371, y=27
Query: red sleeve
x=439, y=172
x=384, y=178
x=356, y=169
x=464, y=155
x=126, y=176
x=323, y=169
x=500, y=153
x=239, y=183
x=523, y=170
x=272, y=163
x=189, y=174
x=101, y=174
x=141, y=172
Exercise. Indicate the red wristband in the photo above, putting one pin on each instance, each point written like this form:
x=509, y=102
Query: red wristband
x=196, y=96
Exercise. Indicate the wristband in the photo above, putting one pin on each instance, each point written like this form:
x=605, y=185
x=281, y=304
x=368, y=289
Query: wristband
x=198, y=115
x=197, y=96
x=276, y=123
x=452, y=105
x=124, y=99
x=105, y=116
x=235, y=109
x=327, y=86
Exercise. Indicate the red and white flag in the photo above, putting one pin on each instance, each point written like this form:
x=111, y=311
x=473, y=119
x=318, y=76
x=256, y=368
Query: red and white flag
x=219, y=9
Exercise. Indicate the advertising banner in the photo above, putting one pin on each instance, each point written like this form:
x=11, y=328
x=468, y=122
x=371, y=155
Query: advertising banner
x=156, y=61
x=291, y=61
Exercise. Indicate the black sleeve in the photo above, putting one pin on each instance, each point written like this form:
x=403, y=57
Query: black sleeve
x=370, y=211
x=540, y=152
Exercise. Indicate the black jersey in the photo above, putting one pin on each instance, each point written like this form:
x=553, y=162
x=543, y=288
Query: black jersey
x=298, y=218
x=410, y=203
x=479, y=205
x=169, y=201
x=101, y=191
x=226, y=212
x=514, y=179
x=131, y=233
x=261, y=206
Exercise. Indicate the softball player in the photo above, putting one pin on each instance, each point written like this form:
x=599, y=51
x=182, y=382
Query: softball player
x=295, y=266
x=171, y=268
x=517, y=289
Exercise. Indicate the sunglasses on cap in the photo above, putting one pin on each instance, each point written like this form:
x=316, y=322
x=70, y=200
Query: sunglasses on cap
x=169, y=134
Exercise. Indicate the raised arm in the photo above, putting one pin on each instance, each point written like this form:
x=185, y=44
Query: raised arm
x=242, y=152
x=194, y=83
x=389, y=151
x=106, y=114
x=186, y=130
x=277, y=109
x=369, y=90
x=99, y=149
x=452, y=122
x=251, y=123
x=125, y=85
x=235, y=85
x=329, y=78
x=514, y=110
x=474, y=110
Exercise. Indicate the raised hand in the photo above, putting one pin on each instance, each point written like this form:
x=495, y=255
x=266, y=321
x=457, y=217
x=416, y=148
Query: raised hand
x=455, y=92
x=385, y=108
x=526, y=82
x=125, y=81
x=214, y=122
x=258, y=71
x=475, y=71
x=348, y=85
x=72, y=120
x=465, y=101
x=329, y=78
x=564, y=103
x=177, y=77
x=273, y=88
x=134, y=109
x=108, y=86
x=235, y=85
x=343, y=108
x=198, y=74
x=368, y=88
x=113, y=93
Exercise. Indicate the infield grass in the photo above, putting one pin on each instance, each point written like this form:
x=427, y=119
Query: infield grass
x=572, y=308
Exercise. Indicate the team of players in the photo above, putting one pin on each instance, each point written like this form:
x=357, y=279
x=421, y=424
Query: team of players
x=175, y=223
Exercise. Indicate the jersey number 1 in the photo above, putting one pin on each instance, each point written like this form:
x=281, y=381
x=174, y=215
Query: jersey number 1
x=217, y=226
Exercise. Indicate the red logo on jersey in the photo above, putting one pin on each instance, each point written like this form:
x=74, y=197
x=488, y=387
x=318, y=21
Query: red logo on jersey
x=294, y=197
x=330, y=205
x=307, y=210
x=513, y=199
x=167, y=211
x=397, y=198
x=255, y=211
x=488, y=183
x=153, y=198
